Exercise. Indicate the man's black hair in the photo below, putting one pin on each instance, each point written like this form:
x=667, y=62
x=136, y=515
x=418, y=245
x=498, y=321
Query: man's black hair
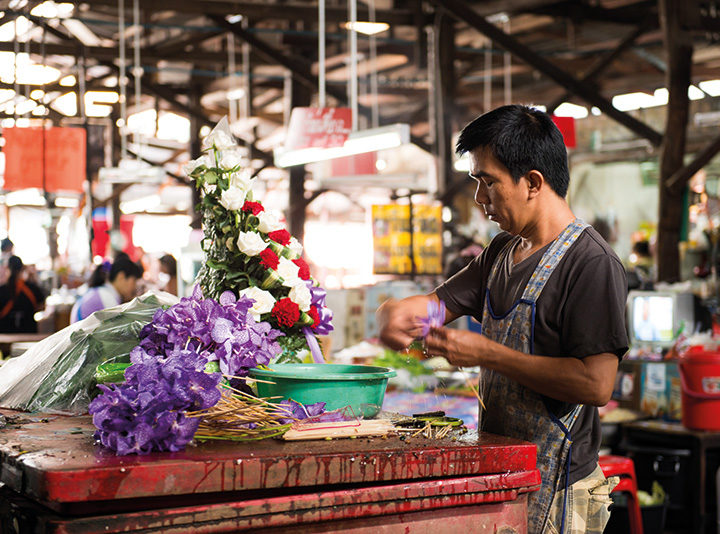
x=522, y=139
x=6, y=245
x=127, y=266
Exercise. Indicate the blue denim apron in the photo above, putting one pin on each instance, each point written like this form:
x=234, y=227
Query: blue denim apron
x=517, y=411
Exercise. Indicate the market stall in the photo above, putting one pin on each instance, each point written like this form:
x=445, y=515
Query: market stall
x=57, y=480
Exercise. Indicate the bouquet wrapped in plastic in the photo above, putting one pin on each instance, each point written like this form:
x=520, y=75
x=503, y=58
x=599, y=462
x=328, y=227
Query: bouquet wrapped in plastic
x=58, y=373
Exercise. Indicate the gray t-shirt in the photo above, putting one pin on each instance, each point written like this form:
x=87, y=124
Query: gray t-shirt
x=580, y=312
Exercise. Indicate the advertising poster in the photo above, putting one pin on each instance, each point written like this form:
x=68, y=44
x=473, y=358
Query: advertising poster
x=391, y=239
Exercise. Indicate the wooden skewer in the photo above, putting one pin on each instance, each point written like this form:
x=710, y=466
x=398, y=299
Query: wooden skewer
x=472, y=388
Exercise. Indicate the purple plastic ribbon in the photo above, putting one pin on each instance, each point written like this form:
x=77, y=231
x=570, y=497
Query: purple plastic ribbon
x=313, y=344
x=435, y=317
x=317, y=299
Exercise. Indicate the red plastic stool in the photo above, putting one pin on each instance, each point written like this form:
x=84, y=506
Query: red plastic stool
x=624, y=468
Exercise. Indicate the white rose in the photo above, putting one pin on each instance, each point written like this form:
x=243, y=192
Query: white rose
x=209, y=189
x=289, y=272
x=268, y=222
x=241, y=180
x=295, y=246
x=218, y=140
x=264, y=301
x=233, y=199
x=193, y=164
x=230, y=159
x=251, y=243
x=300, y=295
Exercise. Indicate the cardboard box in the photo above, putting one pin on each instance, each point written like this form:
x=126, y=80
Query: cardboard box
x=379, y=293
x=348, y=307
x=650, y=387
x=660, y=390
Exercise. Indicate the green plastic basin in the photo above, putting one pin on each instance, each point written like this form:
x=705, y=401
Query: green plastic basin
x=362, y=387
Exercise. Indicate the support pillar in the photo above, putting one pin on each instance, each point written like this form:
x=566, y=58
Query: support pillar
x=671, y=207
x=299, y=97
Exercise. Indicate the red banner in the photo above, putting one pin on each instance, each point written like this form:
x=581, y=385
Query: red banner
x=64, y=150
x=318, y=127
x=566, y=125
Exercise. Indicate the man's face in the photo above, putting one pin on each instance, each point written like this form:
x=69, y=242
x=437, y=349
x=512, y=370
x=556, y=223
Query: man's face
x=503, y=200
x=125, y=285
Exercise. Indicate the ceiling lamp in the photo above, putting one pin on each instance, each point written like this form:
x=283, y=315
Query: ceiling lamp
x=358, y=142
x=367, y=28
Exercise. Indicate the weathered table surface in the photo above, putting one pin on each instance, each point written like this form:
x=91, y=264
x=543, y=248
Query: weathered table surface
x=54, y=459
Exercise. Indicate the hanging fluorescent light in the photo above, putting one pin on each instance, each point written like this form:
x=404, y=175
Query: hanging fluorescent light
x=25, y=197
x=140, y=204
x=67, y=202
x=367, y=28
x=235, y=94
x=131, y=171
x=360, y=142
x=462, y=164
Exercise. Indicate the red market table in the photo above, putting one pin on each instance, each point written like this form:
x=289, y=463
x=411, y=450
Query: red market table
x=57, y=480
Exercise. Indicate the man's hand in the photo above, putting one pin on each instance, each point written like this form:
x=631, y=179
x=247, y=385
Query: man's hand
x=459, y=347
x=398, y=322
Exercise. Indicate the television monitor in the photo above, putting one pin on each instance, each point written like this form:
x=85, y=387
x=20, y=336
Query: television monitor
x=656, y=317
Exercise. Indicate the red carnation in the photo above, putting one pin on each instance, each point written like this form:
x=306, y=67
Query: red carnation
x=254, y=207
x=286, y=312
x=314, y=315
x=304, y=271
x=280, y=236
x=269, y=259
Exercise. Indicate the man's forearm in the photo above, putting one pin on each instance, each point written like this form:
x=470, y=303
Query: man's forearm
x=584, y=381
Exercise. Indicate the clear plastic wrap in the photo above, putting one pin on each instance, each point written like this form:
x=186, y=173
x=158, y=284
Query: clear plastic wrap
x=58, y=374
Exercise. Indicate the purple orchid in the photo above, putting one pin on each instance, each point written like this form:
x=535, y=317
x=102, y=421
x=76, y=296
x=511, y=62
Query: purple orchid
x=167, y=376
x=435, y=317
x=298, y=411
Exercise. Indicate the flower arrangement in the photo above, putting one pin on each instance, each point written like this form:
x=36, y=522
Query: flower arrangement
x=250, y=252
x=255, y=301
x=176, y=378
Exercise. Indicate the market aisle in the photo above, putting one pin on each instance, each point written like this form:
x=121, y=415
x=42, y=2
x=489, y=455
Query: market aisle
x=407, y=402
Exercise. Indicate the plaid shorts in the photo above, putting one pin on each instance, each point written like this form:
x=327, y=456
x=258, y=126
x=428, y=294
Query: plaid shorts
x=588, y=505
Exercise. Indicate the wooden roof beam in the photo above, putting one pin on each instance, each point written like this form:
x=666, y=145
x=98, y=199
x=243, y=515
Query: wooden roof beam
x=298, y=66
x=463, y=12
x=291, y=11
x=602, y=63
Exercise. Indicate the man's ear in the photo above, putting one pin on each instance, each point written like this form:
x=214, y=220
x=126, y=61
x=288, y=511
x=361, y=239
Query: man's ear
x=536, y=181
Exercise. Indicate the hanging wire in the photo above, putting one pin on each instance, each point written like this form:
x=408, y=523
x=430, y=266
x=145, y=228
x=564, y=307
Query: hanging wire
x=375, y=111
x=353, y=65
x=16, y=83
x=232, y=71
x=487, y=82
x=26, y=89
x=246, y=108
x=321, y=54
x=507, y=78
x=137, y=75
x=122, y=80
x=432, y=83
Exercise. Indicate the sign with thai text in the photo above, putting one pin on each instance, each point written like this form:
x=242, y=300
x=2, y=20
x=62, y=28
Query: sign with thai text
x=318, y=128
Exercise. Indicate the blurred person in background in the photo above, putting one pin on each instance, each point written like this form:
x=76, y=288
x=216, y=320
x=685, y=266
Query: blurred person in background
x=167, y=278
x=120, y=287
x=20, y=298
x=7, y=249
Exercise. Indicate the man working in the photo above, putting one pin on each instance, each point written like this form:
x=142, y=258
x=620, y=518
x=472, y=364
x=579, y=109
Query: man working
x=550, y=295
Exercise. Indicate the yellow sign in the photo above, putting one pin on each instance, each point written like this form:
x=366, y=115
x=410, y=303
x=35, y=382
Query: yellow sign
x=391, y=239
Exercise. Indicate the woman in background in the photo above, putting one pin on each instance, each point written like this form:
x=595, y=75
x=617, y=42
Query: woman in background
x=20, y=298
